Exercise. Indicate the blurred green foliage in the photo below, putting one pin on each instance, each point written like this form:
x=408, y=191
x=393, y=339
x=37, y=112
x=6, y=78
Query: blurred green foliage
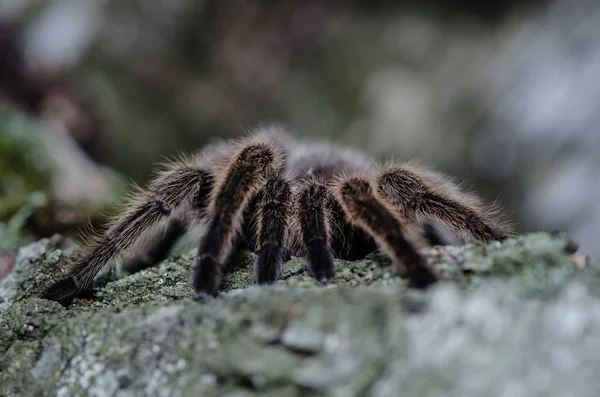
x=25, y=165
x=32, y=184
x=471, y=89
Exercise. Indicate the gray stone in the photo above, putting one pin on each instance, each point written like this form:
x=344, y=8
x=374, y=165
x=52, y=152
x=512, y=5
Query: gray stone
x=512, y=319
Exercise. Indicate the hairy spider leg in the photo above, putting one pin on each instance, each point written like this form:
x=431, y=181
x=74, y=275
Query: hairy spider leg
x=314, y=224
x=378, y=218
x=423, y=199
x=167, y=193
x=272, y=215
x=161, y=244
x=246, y=173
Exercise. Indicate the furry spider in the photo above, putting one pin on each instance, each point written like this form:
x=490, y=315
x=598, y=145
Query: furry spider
x=279, y=196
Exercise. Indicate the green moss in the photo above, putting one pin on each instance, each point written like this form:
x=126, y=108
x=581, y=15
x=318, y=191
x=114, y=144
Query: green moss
x=144, y=335
x=537, y=263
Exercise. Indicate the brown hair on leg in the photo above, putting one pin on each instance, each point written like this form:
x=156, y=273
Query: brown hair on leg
x=158, y=248
x=272, y=217
x=312, y=215
x=163, y=241
x=378, y=218
x=145, y=210
x=420, y=194
x=236, y=184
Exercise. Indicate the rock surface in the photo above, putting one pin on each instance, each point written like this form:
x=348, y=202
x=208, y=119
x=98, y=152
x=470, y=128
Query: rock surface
x=514, y=319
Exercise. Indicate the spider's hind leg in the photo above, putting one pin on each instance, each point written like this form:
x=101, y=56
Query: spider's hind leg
x=365, y=209
x=158, y=249
x=423, y=198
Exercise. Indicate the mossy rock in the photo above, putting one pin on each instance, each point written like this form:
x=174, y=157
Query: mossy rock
x=518, y=317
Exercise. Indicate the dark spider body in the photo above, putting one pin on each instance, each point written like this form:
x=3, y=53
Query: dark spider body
x=279, y=196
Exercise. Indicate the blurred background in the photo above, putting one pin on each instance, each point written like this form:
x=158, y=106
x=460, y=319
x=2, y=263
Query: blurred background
x=504, y=95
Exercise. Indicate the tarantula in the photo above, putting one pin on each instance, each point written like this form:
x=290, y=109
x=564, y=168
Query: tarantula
x=279, y=196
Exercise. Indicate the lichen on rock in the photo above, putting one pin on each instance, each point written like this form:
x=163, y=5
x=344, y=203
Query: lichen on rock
x=510, y=318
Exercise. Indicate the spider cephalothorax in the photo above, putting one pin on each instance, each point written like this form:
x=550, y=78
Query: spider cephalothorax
x=279, y=196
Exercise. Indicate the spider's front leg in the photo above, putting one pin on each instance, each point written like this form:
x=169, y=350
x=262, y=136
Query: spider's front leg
x=161, y=243
x=169, y=193
x=313, y=214
x=244, y=175
x=272, y=219
x=377, y=217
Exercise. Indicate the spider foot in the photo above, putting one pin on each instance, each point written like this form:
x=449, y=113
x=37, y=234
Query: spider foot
x=206, y=274
x=422, y=276
x=324, y=280
x=64, y=292
x=202, y=297
x=267, y=267
x=319, y=260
